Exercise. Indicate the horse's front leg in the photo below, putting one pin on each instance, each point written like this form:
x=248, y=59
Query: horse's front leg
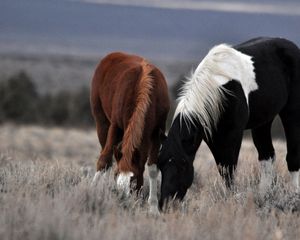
x=153, y=174
x=225, y=148
x=153, y=199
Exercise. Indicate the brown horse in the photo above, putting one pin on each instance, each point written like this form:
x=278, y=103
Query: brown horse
x=130, y=104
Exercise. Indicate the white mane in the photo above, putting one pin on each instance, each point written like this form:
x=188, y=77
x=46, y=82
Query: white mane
x=203, y=95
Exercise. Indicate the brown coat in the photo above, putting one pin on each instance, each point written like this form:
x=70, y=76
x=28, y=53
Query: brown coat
x=130, y=103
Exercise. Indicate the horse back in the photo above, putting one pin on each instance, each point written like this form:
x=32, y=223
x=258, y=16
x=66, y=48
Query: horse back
x=277, y=70
x=115, y=86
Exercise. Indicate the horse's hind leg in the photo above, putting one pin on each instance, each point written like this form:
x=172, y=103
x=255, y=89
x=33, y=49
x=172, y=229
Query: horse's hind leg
x=291, y=124
x=263, y=142
x=266, y=155
x=105, y=159
x=102, y=126
x=102, y=123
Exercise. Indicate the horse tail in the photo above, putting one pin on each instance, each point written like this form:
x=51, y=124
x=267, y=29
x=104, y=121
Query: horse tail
x=134, y=132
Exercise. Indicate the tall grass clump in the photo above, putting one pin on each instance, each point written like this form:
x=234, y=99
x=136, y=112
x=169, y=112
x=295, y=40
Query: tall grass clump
x=46, y=192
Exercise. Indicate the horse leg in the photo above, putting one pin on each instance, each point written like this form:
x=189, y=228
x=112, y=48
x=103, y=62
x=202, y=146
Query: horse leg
x=139, y=179
x=266, y=155
x=132, y=182
x=291, y=124
x=153, y=173
x=226, y=139
x=102, y=126
x=102, y=123
x=105, y=159
x=225, y=148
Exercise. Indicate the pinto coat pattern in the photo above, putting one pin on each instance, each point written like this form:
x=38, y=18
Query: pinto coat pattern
x=233, y=89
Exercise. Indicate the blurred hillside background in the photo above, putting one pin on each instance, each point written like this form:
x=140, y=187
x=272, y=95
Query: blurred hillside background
x=50, y=48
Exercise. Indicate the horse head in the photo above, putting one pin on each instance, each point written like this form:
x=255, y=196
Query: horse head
x=176, y=158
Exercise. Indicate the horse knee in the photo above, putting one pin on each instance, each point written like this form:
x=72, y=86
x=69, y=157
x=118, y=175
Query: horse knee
x=153, y=171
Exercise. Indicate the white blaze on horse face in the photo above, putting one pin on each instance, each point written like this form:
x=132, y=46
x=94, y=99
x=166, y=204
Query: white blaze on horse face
x=295, y=179
x=266, y=175
x=123, y=182
x=153, y=200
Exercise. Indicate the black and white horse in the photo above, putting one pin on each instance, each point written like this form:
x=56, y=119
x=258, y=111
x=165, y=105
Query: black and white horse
x=233, y=89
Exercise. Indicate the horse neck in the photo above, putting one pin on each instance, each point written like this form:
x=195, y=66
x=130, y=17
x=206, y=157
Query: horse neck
x=186, y=137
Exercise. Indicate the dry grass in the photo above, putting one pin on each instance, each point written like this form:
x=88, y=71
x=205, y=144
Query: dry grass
x=46, y=193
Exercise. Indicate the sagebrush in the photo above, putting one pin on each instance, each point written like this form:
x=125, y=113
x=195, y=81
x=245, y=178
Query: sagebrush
x=46, y=193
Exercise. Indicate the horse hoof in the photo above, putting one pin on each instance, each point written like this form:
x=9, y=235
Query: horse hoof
x=153, y=211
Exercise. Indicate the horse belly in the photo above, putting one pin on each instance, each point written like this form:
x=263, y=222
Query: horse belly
x=265, y=105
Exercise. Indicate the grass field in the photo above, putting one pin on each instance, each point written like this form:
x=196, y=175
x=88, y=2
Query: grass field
x=46, y=193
